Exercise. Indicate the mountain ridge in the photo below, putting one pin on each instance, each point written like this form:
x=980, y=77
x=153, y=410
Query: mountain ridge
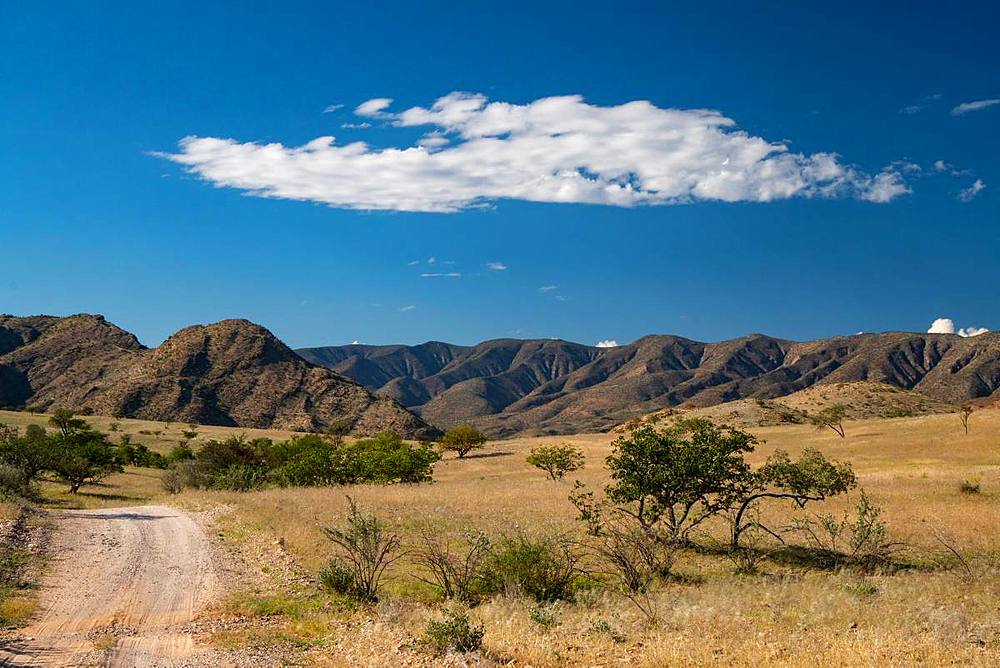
x=229, y=373
x=551, y=386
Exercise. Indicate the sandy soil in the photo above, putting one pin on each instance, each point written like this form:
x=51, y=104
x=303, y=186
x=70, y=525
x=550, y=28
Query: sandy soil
x=122, y=584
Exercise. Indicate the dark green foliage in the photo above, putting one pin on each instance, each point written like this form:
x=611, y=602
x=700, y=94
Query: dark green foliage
x=238, y=464
x=13, y=482
x=462, y=439
x=338, y=578
x=543, y=568
x=556, y=460
x=130, y=454
x=970, y=486
x=679, y=477
x=454, y=632
x=32, y=453
x=84, y=456
x=64, y=421
x=811, y=477
x=180, y=453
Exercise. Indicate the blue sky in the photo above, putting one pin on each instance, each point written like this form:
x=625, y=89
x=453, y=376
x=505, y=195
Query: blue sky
x=102, y=209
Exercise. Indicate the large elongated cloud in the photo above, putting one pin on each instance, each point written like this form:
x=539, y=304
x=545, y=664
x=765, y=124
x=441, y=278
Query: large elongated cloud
x=556, y=149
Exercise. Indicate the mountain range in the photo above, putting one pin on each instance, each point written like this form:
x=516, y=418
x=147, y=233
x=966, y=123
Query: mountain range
x=237, y=373
x=543, y=386
x=232, y=373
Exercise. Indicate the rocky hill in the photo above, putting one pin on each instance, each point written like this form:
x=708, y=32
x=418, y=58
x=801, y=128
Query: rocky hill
x=232, y=373
x=548, y=386
x=862, y=400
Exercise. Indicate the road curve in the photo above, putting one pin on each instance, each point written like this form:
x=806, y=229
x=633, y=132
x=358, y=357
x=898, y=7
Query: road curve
x=120, y=587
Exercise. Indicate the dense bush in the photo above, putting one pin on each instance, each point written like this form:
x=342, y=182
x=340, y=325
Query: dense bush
x=239, y=464
x=462, y=439
x=543, y=568
x=454, y=632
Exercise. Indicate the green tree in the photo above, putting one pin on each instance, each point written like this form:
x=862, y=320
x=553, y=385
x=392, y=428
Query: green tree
x=831, y=417
x=676, y=479
x=84, y=456
x=32, y=453
x=811, y=477
x=64, y=421
x=556, y=460
x=462, y=439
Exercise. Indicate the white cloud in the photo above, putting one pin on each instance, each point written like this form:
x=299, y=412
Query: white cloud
x=413, y=263
x=947, y=326
x=968, y=194
x=355, y=342
x=885, y=187
x=433, y=140
x=548, y=288
x=911, y=109
x=978, y=105
x=607, y=343
x=941, y=166
x=972, y=331
x=557, y=149
x=407, y=309
x=496, y=266
x=373, y=108
x=431, y=260
x=330, y=108
x=355, y=126
x=450, y=274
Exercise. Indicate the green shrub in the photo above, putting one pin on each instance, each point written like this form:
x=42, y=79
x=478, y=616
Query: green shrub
x=454, y=632
x=367, y=550
x=462, y=439
x=969, y=486
x=13, y=482
x=545, y=616
x=338, y=577
x=542, y=568
x=180, y=453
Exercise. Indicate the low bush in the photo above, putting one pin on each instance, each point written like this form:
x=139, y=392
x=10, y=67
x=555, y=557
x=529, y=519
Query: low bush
x=543, y=568
x=454, y=632
x=969, y=486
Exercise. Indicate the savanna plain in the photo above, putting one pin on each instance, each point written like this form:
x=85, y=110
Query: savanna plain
x=932, y=597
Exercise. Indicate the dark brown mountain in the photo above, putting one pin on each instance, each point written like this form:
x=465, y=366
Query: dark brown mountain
x=231, y=373
x=547, y=386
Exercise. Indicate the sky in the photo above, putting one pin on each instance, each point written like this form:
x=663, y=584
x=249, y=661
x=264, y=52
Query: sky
x=404, y=172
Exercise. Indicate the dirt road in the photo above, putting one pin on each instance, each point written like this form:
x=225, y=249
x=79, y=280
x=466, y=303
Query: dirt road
x=120, y=587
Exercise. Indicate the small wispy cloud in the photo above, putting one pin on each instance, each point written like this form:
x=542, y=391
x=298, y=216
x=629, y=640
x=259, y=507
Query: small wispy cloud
x=449, y=274
x=413, y=263
x=607, y=343
x=917, y=108
x=355, y=126
x=947, y=326
x=407, y=309
x=548, y=288
x=431, y=260
x=373, y=108
x=968, y=194
x=330, y=108
x=496, y=266
x=977, y=105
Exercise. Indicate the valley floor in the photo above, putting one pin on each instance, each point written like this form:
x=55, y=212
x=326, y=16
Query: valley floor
x=934, y=609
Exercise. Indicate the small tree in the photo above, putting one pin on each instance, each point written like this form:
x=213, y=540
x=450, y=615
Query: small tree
x=556, y=460
x=680, y=477
x=32, y=453
x=83, y=457
x=64, y=421
x=462, y=439
x=964, y=416
x=809, y=478
x=831, y=417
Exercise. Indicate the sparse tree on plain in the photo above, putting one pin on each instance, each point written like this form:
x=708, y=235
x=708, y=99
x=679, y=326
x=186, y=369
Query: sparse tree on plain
x=964, y=416
x=462, y=439
x=556, y=460
x=831, y=417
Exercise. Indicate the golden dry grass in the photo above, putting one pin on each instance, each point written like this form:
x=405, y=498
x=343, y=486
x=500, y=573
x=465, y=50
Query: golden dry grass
x=787, y=615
